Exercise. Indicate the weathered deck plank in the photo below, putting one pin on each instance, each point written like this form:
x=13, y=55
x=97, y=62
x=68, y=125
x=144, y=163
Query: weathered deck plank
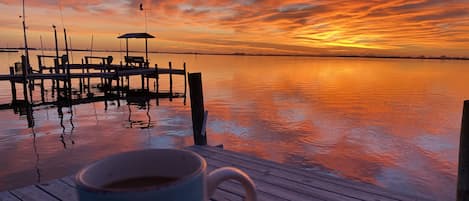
x=59, y=189
x=32, y=193
x=274, y=182
x=7, y=196
x=360, y=191
x=236, y=188
x=289, y=189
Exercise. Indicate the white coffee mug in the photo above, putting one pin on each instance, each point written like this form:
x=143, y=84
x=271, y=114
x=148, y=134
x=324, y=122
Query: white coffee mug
x=187, y=170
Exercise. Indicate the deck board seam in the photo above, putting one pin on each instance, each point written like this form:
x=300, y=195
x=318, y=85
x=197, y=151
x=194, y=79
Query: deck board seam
x=384, y=194
x=322, y=178
x=317, y=195
x=14, y=195
x=294, y=190
x=49, y=193
x=66, y=183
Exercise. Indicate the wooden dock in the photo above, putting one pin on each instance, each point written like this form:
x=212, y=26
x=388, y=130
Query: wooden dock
x=274, y=182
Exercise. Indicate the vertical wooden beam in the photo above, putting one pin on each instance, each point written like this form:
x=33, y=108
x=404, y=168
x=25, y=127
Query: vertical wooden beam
x=13, y=85
x=142, y=78
x=121, y=77
x=118, y=86
x=24, y=79
x=157, y=77
x=116, y=76
x=157, y=85
x=146, y=53
x=108, y=70
x=463, y=169
x=57, y=82
x=82, y=81
x=197, y=108
x=126, y=49
x=185, y=83
x=65, y=72
x=39, y=61
x=101, y=71
x=41, y=71
x=52, y=88
x=69, y=84
x=170, y=82
x=89, y=78
x=128, y=81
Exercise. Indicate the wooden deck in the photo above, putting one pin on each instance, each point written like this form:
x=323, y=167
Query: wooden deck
x=274, y=181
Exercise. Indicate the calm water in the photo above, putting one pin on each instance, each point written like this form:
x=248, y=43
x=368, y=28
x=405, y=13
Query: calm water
x=394, y=123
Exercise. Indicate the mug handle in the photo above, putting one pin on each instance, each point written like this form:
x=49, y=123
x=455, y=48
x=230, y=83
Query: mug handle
x=219, y=175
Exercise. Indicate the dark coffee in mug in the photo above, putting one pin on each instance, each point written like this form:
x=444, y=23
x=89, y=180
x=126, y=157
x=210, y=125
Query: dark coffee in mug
x=140, y=182
x=155, y=174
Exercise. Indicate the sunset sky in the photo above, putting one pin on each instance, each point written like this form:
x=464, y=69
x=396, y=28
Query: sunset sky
x=328, y=27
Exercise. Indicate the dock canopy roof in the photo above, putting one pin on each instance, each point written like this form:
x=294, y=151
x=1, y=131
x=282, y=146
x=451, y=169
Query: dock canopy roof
x=136, y=35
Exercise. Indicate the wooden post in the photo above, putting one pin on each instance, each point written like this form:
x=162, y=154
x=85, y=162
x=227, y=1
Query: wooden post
x=118, y=83
x=170, y=82
x=157, y=85
x=128, y=81
x=41, y=71
x=107, y=71
x=126, y=50
x=185, y=83
x=101, y=71
x=25, y=81
x=142, y=77
x=65, y=72
x=82, y=78
x=52, y=88
x=69, y=80
x=463, y=170
x=57, y=72
x=148, y=83
x=157, y=77
x=13, y=85
x=197, y=108
x=121, y=77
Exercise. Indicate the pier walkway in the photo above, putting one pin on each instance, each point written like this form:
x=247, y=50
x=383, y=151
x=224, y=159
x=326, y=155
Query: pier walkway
x=274, y=181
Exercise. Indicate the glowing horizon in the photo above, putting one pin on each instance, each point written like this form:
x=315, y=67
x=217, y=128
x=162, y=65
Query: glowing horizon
x=394, y=27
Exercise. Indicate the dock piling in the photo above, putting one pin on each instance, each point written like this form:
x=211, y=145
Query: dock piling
x=463, y=169
x=170, y=82
x=185, y=83
x=24, y=80
x=13, y=85
x=157, y=85
x=41, y=71
x=197, y=108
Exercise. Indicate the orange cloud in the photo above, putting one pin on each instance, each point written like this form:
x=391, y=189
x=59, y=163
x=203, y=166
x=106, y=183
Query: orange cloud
x=412, y=27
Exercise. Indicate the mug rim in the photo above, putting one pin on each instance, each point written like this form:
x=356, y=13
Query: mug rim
x=94, y=188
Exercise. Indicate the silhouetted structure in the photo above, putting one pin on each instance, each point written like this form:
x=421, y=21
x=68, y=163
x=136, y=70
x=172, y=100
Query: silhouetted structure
x=113, y=79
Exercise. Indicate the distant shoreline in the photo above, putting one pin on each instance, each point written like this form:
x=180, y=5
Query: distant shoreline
x=252, y=54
